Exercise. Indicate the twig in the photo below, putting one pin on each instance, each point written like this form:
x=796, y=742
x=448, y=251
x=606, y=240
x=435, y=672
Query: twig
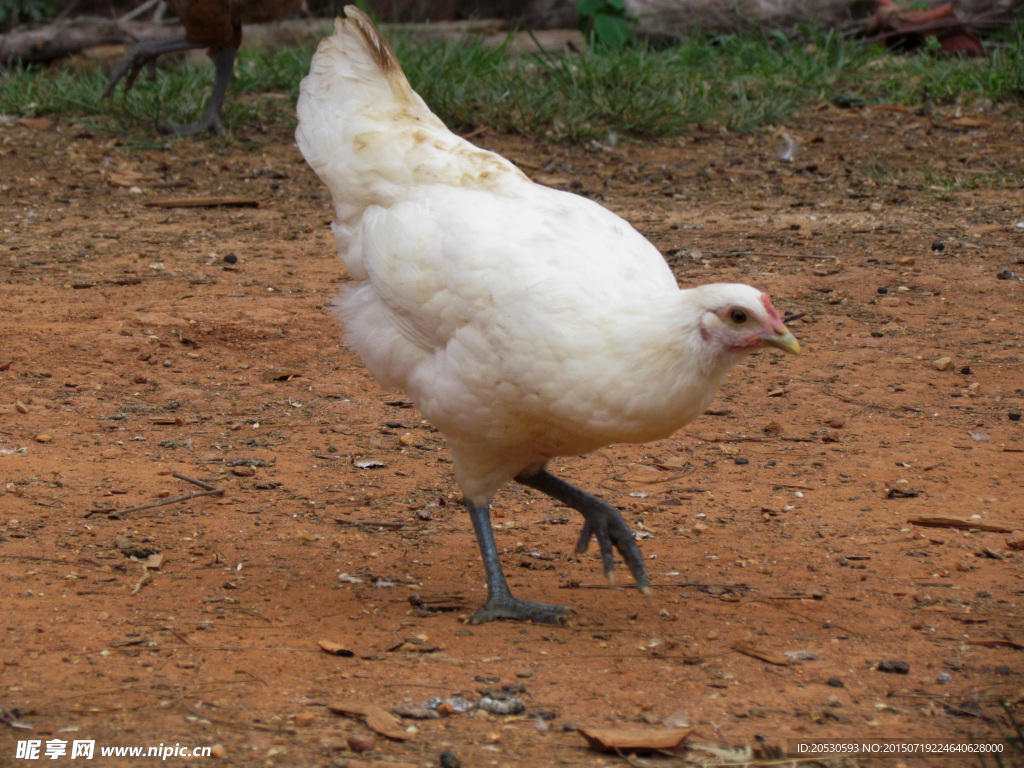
x=208, y=490
x=7, y=718
x=853, y=401
x=370, y=523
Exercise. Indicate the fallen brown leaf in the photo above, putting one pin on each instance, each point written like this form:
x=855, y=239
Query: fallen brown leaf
x=957, y=522
x=334, y=649
x=634, y=739
x=377, y=719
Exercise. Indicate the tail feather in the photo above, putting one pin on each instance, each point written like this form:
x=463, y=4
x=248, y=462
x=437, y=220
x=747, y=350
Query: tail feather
x=368, y=134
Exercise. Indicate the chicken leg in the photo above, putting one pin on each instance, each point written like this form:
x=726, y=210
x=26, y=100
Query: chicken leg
x=500, y=603
x=602, y=521
x=145, y=54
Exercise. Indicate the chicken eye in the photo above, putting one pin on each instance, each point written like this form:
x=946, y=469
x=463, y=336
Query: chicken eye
x=738, y=316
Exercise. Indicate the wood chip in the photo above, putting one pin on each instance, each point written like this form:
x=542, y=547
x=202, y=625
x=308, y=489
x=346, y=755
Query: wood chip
x=959, y=522
x=210, y=201
x=757, y=653
x=377, y=719
x=634, y=739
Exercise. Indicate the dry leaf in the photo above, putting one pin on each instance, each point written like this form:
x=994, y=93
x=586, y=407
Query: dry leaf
x=334, y=649
x=155, y=561
x=634, y=739
x=377, y=719
x=957, y=522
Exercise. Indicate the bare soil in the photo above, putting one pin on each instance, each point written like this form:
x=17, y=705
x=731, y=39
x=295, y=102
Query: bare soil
x=137, y=342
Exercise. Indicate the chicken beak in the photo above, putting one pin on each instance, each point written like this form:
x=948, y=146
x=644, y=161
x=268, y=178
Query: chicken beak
x=780, y=337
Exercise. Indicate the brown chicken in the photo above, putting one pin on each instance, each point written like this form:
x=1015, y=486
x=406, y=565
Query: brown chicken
x=212, y=24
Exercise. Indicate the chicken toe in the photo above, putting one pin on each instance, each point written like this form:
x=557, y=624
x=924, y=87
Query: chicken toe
x=601, y=521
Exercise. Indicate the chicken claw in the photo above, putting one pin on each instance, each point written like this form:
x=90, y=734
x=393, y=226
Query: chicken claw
x=602, y=521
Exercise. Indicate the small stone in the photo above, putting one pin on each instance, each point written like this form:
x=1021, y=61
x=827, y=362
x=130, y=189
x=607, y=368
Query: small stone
x=449, y=759
x=894, y=667
x=44, y=438
x=445, y=708
x=835, y=682
x=943, y=678
x=231, y=259
x=883, y=289
x=361, y=742
x=243, y=471
x=942, y=363
x=907, y=261
x=20, y=406
x=1015, y=540
x=218, y=750
x=1013, y=415
x=304, y=719
x=524, y=673
x=741, y=461
x=938, y=245
x=407, y=440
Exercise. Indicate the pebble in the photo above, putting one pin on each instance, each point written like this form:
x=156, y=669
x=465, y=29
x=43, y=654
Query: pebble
x=449, y=759
x=943, y=678
x=894, y=667
x=1015, y=540
x=938, y=245
x=231, y=259
x=1013, y=415
x=942, y=363
x=883, y=289
x=524, y=673
x=361, y=742
x=835, y=682
x=218, y=750
x=44, y=438
x=20, y=406
x=304, y=719
x=510, y=706
x=741, y=461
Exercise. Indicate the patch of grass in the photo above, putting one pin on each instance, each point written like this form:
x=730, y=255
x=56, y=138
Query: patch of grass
x=741, y=82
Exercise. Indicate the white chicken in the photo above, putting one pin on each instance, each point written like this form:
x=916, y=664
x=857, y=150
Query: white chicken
x=525, y=323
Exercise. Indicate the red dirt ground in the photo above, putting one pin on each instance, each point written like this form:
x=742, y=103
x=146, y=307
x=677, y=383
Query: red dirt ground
x=130, y=349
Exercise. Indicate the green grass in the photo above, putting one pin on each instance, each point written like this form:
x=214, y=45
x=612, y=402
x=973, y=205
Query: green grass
x=740, y=82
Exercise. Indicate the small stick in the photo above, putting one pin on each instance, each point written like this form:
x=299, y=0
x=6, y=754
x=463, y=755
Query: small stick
x=209, y=201
x=370, y=523
x=208, y=490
